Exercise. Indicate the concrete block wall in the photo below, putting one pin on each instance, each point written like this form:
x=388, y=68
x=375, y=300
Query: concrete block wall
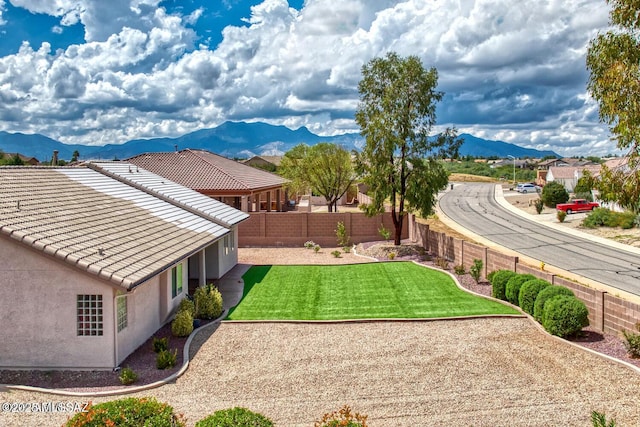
x=608, y=313
x=291, y=229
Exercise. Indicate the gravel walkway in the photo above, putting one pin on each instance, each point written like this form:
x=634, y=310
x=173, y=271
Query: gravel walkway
x=481, y=372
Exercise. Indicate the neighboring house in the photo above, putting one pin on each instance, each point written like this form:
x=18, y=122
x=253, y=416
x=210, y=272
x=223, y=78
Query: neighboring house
x=96, y=258
x=31, y=161
x=615, y=164
x=568, y=176
x=268, y=163
x=236, y=184
x=546, y=164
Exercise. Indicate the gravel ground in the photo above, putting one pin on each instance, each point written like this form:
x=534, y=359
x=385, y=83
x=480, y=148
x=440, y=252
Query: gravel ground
x=503, y=372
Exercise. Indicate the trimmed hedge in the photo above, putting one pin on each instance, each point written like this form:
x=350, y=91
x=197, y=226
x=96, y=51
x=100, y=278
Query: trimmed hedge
x=529, y=292
x=128, y=412
x=564, y=316
x=236, y=417
x=512, y=290
x=543, y=297
x=499, y=281
x=182, y=324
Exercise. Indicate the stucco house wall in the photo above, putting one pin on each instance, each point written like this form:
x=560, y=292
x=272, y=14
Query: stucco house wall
x=38, y=313
x=149, y=306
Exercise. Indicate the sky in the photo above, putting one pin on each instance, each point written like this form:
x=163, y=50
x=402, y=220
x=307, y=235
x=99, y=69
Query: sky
x=95, y=72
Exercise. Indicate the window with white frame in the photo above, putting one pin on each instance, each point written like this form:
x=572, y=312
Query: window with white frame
x=176, y=280
x=122, y=310
x=89, y=315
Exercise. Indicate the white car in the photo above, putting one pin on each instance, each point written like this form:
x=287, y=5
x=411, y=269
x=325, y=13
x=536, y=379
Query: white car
x=527, y=188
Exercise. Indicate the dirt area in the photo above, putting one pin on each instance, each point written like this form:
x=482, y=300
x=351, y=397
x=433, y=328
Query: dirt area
x=525, y=202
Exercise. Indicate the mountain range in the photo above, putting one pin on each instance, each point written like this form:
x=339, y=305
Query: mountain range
x=233, y=140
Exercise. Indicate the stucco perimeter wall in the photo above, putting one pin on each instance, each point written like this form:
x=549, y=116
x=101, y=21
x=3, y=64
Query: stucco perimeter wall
x=272, y=229
x=38, y=313
x=608, y=313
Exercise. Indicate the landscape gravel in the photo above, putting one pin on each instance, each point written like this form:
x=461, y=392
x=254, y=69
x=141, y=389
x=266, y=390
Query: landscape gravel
x=480, y=372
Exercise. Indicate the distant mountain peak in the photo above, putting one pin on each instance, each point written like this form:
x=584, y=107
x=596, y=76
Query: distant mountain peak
x=234, y=140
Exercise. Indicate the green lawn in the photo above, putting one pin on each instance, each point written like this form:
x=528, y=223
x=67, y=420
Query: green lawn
x=359, y=291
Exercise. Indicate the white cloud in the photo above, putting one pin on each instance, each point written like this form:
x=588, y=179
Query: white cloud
x=510, y=69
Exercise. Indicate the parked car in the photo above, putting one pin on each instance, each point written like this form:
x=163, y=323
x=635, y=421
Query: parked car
x=527, y=188
x=577, y=205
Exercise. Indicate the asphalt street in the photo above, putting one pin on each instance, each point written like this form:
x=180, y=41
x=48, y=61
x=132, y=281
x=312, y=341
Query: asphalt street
x=474, y=207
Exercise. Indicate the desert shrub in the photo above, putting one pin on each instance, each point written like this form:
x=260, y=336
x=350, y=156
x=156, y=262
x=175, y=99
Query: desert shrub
x=336, y=254
x=544, y=295
x=441, y=263
x=346, y=249
x=499, y=281
x=539, y=204
x=128, y=412
x=599, y=217
x=529, y=292
x=386, y=234
x=159, y=344
x=625, y=220
x=512, y=288
x=316, y=248
x=127, y=376
x=187, y=305
x=459, y=270
x=309, y=244
x=341, y=234
x=167, y=359
x=342, y=418
x=182, y=324
x=599, y=419
x=391, y=255
x=236, y=417
x=564, y=316
x=476, y=270
x=208, y=302
x=553, y=193
x=632, y=342
x=561, y=215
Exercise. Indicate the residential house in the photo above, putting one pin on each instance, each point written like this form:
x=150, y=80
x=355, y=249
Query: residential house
x=27, y=160
x=96, y=258
x=268, y=163
x=568, y=176
x=236, y=184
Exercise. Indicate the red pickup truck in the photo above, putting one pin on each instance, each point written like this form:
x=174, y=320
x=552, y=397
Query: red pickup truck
x=577, y=205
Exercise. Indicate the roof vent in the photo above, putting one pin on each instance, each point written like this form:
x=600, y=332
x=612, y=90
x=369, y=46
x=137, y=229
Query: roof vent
x=100, y=251
x=18, y=204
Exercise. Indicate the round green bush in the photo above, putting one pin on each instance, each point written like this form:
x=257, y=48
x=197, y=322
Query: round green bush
x=528, y=293
x=564, y=316
x=208, y=302
x=236, y=417
x=182, y=325
x=553, y=193
x=128, y=412
x=187, y=305
x=544, y=295
x=512, y=289
x=499, y=281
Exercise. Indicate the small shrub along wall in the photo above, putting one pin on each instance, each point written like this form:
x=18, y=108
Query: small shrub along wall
x=607, y=313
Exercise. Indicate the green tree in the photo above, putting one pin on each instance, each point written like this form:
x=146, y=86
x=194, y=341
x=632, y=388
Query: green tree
x=613, y=60
x=620, y=187
x=396, y=113
x=554, y=193
x=75, y=155
x=15, y=160
x=324, y=168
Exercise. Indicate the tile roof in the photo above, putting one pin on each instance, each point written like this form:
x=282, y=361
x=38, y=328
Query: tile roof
x=569, y=172
x=216, y=211
x=98, y=224
x=203, y=170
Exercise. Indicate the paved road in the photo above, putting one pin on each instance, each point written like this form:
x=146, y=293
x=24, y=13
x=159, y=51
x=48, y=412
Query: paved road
x=474, y=207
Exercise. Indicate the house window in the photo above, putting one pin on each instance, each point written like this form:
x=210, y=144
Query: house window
x=229, y=243
x=176, y=280
x=123, y=314
x=226, y=244
x=89, y=315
